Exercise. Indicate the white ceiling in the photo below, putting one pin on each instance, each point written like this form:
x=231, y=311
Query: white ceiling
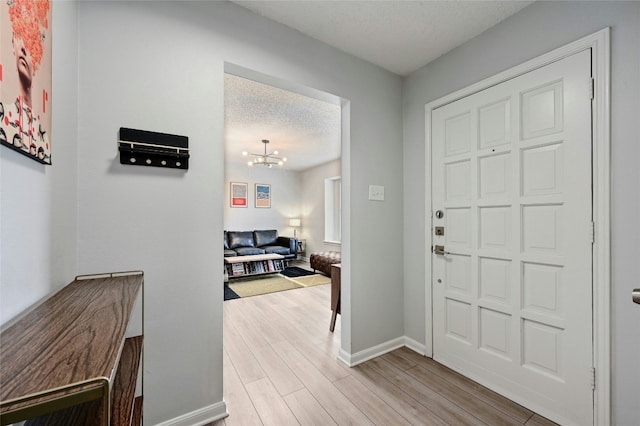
x=398, y=35
x=305, y=130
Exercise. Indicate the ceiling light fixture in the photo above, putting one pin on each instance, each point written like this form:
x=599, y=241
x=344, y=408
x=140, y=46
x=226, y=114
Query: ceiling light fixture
x=267, y=159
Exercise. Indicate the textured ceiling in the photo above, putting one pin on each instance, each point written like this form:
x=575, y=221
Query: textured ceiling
x=303, y=129
x=400, y=36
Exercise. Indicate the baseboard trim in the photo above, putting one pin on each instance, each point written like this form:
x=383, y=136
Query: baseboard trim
x=200, y=417
x=358, y=358
x=381, y=349
x=415, y=346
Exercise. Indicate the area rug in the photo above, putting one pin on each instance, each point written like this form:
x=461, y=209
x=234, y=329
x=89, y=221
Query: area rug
x=246, y=288
x=230, y=294
x=294, y=271
x=274, y=283
x=315, y=279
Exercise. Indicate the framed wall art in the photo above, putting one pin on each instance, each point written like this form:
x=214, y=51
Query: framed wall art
x=25, y=78
x=239, y=194
x=263, y=195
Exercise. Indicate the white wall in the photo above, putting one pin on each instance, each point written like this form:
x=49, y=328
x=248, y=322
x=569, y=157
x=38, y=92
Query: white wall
x=163, y=70
x=535, y=30
x=313, y=206
x=294, y=195
x=285, y=199
x=160, y=66
x=38, y=208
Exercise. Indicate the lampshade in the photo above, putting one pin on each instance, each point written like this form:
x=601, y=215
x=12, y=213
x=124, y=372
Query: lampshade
x=294, y=222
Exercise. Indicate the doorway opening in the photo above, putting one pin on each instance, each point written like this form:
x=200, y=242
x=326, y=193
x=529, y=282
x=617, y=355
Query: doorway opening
x=310, y=128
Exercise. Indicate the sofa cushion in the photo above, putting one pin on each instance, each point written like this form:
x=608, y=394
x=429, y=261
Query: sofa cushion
x=277, y=250
x=248, y=251
x=240, y=239
x=265, y=237
x=229, y=253
x=292, y=243
x=226, y=242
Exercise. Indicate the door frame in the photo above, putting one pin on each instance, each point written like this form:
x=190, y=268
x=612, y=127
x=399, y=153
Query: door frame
x=599, y=43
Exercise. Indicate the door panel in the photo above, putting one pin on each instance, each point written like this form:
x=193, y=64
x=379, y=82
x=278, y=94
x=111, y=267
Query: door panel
x=511, y=170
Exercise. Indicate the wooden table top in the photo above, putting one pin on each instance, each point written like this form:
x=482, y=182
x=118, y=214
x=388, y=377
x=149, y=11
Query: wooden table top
x=69, y=338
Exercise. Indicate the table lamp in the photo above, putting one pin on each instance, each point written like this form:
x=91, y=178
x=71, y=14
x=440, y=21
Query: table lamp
x=294, y=223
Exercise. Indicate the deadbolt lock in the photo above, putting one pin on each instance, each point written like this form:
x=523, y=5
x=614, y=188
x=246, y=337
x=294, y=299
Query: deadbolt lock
x=439, y=230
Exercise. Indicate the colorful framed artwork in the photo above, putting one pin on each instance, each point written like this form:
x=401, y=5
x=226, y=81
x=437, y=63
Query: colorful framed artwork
x=239, y=194
x=25, y=78
x=263, y=195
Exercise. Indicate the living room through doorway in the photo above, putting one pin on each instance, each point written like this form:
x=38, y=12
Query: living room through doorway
x=303, y=125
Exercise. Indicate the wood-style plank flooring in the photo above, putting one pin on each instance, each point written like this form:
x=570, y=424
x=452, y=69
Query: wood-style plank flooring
x=281, y=368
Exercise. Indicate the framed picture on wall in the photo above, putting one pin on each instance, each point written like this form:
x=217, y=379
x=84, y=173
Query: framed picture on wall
x=263, y=195
x=239, y=194
x=25, y=73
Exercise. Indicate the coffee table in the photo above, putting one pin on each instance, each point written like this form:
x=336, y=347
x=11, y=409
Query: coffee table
x=259, y=264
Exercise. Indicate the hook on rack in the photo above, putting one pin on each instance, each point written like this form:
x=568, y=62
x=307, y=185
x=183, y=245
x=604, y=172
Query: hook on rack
x=145, y=148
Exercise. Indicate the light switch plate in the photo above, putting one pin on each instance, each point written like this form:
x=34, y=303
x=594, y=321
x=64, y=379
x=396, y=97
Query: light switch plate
x=376, y=193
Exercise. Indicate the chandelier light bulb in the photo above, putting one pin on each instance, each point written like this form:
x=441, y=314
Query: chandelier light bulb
x=284, y=159
x=266, y=159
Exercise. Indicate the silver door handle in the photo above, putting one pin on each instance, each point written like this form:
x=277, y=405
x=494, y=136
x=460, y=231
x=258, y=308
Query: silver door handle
x=636, y=295
x=439, y=250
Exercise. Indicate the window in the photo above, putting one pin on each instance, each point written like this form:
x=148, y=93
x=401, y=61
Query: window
x=332, y=210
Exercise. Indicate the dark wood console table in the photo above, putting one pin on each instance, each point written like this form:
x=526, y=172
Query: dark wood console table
x=336, y=270
x=73, y=360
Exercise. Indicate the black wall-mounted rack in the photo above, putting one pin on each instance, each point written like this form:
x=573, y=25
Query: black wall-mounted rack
x=153, y=149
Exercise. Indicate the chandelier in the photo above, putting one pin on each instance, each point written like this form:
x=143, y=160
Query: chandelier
x=267, y=159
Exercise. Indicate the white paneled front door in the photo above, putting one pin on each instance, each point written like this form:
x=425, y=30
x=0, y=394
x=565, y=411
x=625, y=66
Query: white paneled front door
x=512, y=273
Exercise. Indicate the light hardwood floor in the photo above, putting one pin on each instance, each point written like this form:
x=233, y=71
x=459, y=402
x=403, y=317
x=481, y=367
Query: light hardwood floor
x=281, y=368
